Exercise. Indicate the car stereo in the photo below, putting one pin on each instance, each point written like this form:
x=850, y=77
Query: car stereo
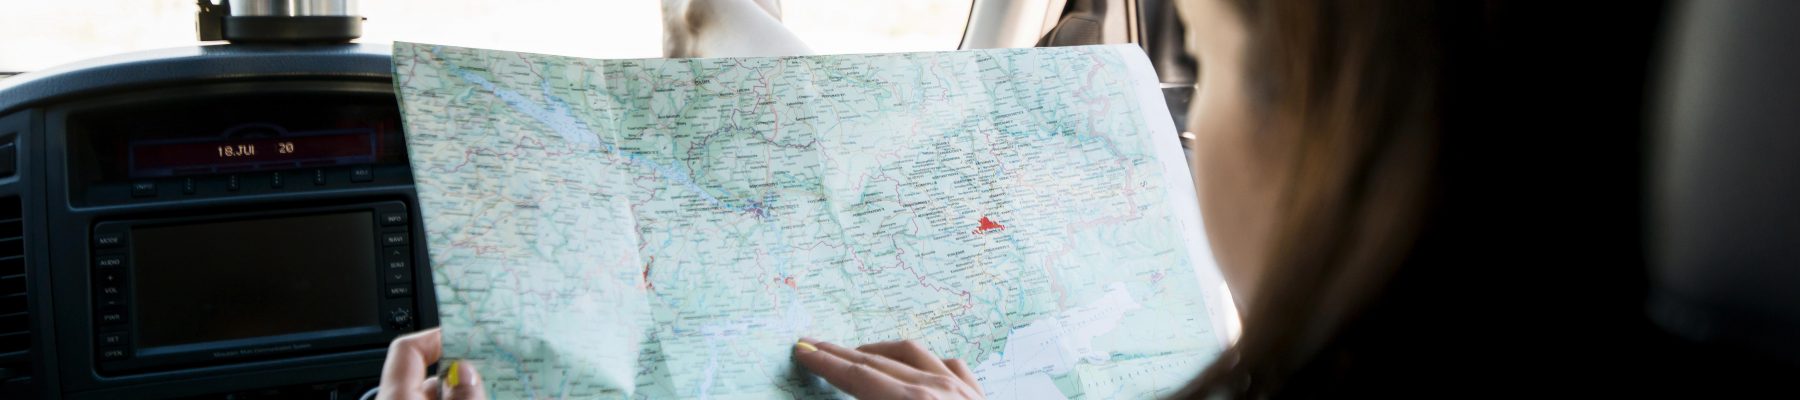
x=218, y=221
x=175, y=291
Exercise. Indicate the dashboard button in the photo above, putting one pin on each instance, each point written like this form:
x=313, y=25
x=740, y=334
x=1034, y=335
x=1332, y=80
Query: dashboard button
x=109, y=239
x=393, y=218
x=362, y=173
x=399, y=290
x=187, y=186
x=275, y=180
x=318, y=176
x=109, y=277
x=393, y=239
x=232, y=183
x=111, y=339
x=109, y=261
x=400, y=317
x=115, y=353
x=111, y=318
x=396, y=252
x=398, y=275
x=393, y=262
x=143, y=189
x=107, y=302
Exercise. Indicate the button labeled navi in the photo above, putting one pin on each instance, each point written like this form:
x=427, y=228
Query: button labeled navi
x=393, y=239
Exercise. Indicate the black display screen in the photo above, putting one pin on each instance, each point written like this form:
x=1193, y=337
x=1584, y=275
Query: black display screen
x=220, y=281
x=266, y=152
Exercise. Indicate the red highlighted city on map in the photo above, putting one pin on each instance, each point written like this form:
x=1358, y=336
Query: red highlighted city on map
x=988, y=225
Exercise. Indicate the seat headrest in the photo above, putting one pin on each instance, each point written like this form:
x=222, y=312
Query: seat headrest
x=1724, y=201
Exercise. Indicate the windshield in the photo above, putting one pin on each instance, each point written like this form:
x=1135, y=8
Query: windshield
x=41, y=34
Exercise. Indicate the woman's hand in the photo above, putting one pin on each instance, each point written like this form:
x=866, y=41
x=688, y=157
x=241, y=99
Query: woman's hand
x=888, y=370
x=403, y=376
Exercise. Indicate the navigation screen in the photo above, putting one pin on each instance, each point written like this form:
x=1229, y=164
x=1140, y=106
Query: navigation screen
x=257, y=278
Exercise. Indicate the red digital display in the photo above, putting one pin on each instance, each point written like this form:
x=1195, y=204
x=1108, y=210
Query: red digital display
x=215, y=155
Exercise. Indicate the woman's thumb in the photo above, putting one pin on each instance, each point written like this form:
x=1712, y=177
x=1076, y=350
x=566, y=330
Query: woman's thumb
x=461, y=382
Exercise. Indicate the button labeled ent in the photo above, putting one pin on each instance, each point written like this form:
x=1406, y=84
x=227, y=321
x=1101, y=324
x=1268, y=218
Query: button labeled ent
x=400, y=317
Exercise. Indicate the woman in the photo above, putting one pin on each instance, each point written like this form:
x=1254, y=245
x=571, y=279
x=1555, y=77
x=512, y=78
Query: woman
x=1322, y=157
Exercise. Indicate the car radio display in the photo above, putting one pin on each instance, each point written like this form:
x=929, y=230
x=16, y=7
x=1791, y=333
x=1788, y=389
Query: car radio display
x=228, y=154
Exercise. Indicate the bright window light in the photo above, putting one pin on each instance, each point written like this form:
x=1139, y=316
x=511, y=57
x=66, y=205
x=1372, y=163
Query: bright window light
x=41, y=34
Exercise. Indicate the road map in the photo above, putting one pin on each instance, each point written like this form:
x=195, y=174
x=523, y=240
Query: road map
x=662, y=228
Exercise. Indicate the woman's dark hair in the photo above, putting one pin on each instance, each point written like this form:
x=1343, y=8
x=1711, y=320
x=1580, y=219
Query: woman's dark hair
x=1357, y=86
x=1464, y=178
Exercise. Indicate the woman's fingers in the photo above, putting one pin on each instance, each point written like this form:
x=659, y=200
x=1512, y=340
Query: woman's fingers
x=858, y=379
x=962, y=372
x=430, y=388
x=909, y=353
x=890, y=370
x=404, y=370
x=898, y=370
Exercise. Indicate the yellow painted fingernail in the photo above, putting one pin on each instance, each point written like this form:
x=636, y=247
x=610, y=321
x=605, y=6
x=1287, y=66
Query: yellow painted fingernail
x=453, y=377
x=804, y=346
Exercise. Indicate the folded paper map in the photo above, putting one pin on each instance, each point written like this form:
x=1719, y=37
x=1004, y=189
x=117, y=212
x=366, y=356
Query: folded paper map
x=667, y=228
